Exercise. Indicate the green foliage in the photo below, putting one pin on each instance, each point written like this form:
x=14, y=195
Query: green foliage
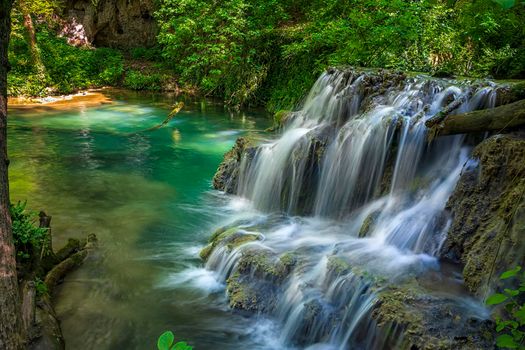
x=512, y=325
x=41, y=287
x=137, y=80
x=67, y=68
x=166, y=341
x=248, y=51
x=27, y=235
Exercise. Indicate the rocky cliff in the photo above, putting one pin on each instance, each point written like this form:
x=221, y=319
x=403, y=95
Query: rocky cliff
x=114, y=23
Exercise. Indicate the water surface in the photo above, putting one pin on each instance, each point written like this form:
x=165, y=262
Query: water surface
x=147, y=196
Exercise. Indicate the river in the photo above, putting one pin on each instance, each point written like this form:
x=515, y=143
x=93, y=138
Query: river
x=147, y=196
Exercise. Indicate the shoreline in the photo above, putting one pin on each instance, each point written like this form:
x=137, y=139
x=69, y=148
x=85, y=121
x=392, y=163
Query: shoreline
x=87, y=98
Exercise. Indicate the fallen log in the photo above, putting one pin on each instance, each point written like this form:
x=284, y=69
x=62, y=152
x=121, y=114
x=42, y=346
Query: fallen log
x=176, y=109
x=497, y=119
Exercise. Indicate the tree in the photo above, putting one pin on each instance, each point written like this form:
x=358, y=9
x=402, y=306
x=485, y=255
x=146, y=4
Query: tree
x=42, y=8
x=10, y=338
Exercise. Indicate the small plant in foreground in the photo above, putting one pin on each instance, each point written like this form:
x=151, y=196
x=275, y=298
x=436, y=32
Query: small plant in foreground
x=26, y=233
x=512, y=326
x=166, y=341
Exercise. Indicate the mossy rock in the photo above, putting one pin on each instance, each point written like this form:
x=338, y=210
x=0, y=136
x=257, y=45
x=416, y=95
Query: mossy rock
x=429, y=322
x=241, y=294
x=264, y=264
x=232, y=238
x=227, y=174
x=368, y=224
x=487, y=234
x=338, y=265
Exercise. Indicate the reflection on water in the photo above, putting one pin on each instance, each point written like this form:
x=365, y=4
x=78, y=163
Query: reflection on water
x=146, y=196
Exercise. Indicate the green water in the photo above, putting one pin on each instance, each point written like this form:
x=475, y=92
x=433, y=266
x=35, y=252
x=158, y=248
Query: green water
x=148, y=198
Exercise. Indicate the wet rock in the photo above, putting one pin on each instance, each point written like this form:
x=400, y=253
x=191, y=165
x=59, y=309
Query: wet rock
x=232, y=238
x=411, y=318
x=255, y=283
x=227, y=174
x=487, y=234
x=368, y=224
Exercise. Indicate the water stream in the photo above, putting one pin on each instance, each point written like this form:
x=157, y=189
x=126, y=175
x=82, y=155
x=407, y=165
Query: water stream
x=148, y=198
x=354, y=156
x=352, y=181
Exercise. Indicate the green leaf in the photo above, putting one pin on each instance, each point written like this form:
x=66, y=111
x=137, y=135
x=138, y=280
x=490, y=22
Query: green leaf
x=505, y=4
x=496, y=299
x=165, y=340
x=512, y=292
x=182, y=346
x=510, y=273
x=506, y=341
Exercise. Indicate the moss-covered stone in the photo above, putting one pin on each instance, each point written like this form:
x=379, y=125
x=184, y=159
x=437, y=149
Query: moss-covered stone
x=338, y=265
x=266, y=265
x=226, y=177
x=487, y=234
x=232, y=238
x=368, y=224
x=241, y=294
x=427, y=321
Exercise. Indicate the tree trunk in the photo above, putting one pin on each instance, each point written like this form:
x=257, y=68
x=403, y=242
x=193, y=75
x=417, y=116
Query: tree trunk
x=501, y=118
x=33, y=46
x=10, y=319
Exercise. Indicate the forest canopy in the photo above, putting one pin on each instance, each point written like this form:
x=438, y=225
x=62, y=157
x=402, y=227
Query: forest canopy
x=269, y=52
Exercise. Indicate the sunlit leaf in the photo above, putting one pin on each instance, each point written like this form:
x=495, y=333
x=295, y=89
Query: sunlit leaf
x=510, y=273
x=512, y=292
x=165, y=341
x=182, y=346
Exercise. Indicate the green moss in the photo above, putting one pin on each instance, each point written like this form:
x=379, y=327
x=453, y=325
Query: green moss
x=487, y=232
x=232, y=238
x=367, y=225
x=266, y=264
x=338, y=265
x=241, y=295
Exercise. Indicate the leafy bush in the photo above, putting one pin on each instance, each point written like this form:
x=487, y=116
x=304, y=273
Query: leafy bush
x=166, y=341
x=67, y=68
x=27, y=234
x=249, y=51
x=512, y=325
x=137, y=80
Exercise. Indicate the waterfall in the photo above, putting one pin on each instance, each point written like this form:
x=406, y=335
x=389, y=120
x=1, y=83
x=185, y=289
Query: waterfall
x=354, y=189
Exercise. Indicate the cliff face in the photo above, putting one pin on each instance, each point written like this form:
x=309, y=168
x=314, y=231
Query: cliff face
x=115, y=23
x=488, y=210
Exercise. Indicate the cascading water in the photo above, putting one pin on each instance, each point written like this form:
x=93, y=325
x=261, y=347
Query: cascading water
x=370, y=190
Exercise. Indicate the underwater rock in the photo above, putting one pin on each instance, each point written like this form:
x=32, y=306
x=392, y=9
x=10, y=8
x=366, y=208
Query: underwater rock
x=227, y=175
x=487, y=234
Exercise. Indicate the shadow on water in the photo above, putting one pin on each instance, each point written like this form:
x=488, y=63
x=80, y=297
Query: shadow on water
x=147, y=198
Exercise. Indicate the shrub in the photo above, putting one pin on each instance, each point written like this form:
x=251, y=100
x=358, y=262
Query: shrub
x=511, y=325
x=137, y=80
x=27, y=235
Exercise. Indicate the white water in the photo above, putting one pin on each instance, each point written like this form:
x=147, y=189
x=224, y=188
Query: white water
x=373, y=160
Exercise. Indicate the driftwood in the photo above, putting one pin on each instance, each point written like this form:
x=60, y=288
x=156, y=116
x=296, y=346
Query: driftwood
x=497, y=119
x=178, y=106
x=441, y=116
x=40, y=324
x=71, y=262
